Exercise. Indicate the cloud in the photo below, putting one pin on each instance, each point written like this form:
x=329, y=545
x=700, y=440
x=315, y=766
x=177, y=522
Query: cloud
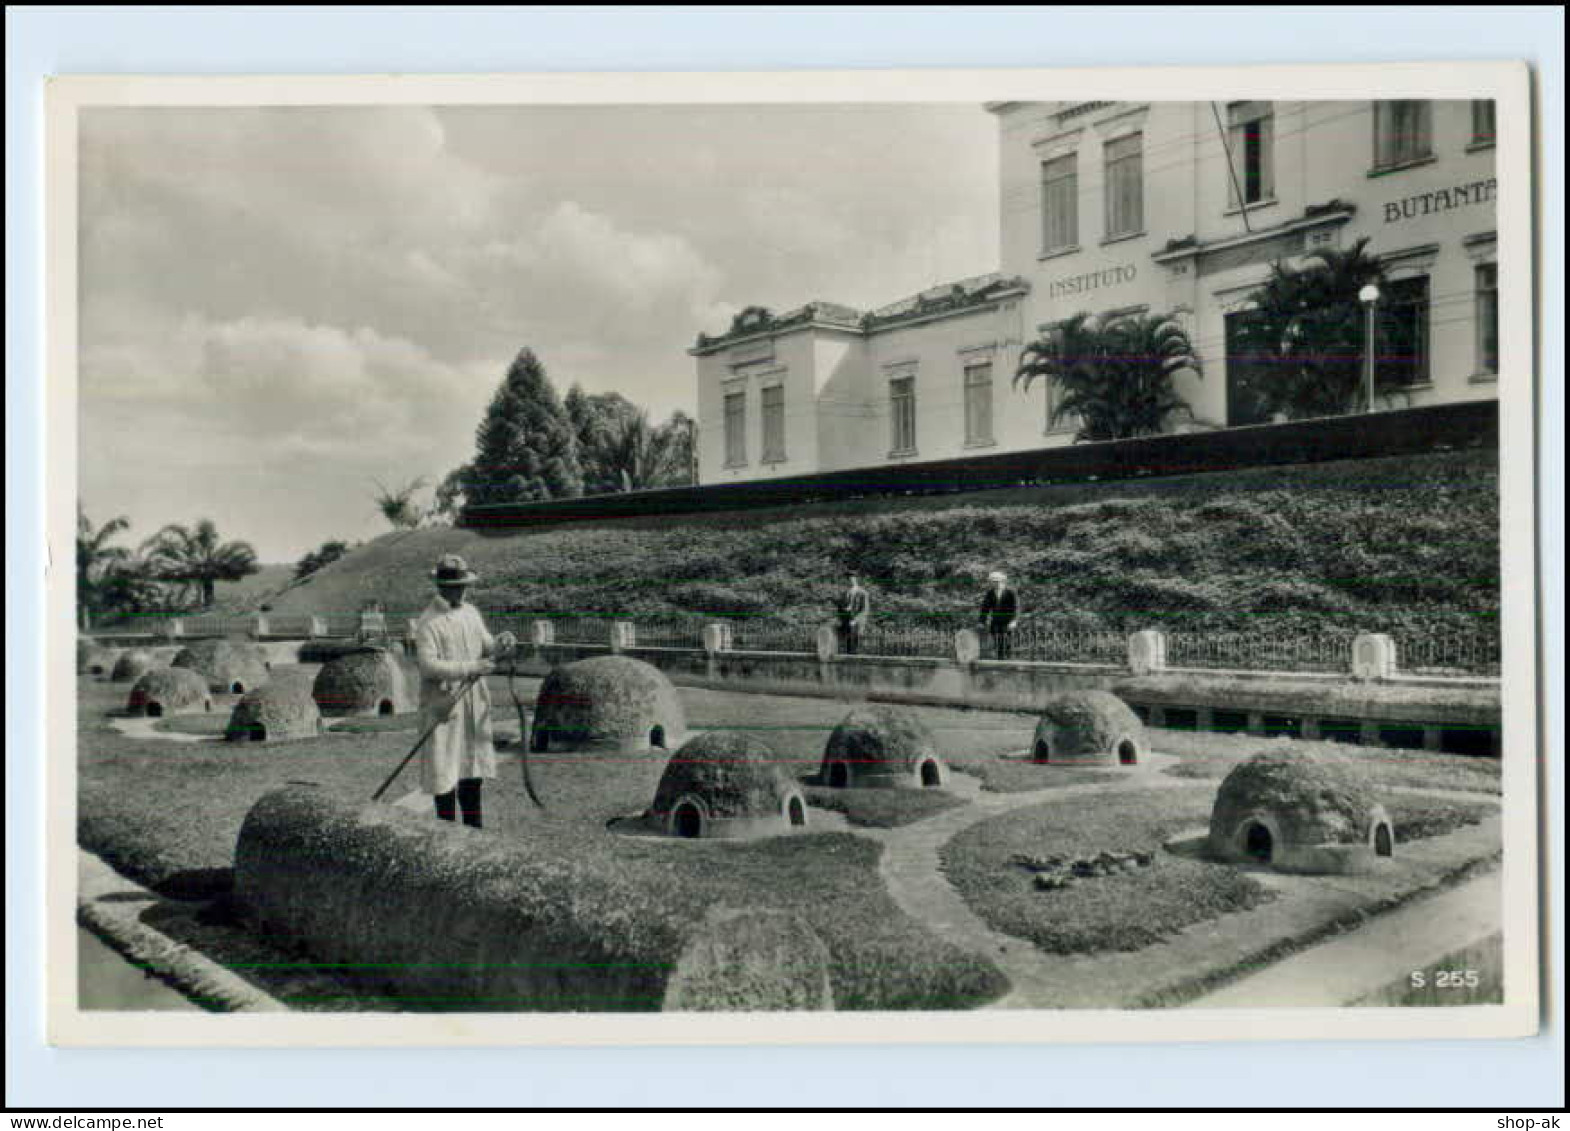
x=277, y=302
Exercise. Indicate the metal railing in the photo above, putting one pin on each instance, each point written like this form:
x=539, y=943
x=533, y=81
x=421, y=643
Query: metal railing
x=1041, y=642
x=921, y=641
x=1449, y=653
x=757, y=634
x=668, y=632
x=1260, y=651
x=1290, y=649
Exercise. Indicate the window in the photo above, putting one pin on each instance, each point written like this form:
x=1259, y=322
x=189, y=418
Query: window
x=1251, y=133
x=1401, y=357
x=1060, y=203
x=1483, y=122
x=774, y=424
x=978, y=402
x=735, y=429
x=1487, y=318
x=1402, y=133
x=1125, y=186
x=902, y=414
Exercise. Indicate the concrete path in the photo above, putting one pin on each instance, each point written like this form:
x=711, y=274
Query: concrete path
x=1386, y=950
x=145, y=729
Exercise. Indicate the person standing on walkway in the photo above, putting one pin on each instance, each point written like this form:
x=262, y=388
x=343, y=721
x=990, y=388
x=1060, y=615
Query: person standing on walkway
x=451, y=645
x=852, y=610
x=999, y=614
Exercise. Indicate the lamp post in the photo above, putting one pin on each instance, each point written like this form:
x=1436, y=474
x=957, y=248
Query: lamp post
x=1369, y=296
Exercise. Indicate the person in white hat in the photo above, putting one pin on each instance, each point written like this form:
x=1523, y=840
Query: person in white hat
x=999, y=614
x=451, y=644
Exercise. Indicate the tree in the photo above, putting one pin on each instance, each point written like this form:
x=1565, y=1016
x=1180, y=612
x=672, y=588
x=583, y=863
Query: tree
x=448, y=500
x=94, y=559
x=681, y=432
x=1115, y=377
x=325, y=554
x=195, y=555
x=1302, y=343
x=129, y=587
x=525, y=447
x=598, y=419
x=397, y=504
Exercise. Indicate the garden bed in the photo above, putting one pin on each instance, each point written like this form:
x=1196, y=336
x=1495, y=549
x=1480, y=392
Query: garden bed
x=1129, y=911
x=167, y=813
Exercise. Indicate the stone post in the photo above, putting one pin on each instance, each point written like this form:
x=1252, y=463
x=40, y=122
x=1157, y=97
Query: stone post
x=1147, y=651
x=542, y=633
x=967, y=646
x=316, y=627
x=174, y=628
x=716, y=637
x=624, y=635
x=828, y=641
x=259, y=626
x=1373, y=656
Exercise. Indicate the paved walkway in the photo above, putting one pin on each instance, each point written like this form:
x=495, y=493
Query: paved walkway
x=1386, y=950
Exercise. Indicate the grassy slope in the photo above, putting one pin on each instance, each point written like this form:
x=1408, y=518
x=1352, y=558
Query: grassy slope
x=1389, y=543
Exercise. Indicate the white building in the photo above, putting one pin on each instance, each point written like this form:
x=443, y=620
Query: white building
x=1118, y=207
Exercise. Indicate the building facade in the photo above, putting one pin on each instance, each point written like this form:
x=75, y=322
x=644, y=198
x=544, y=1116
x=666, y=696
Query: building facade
x=1115, y=208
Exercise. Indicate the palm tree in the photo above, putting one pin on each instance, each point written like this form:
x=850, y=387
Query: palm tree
x=641, y=455
x=195, y=555
x=94, y=558
x=1306, y=335
x=397, y=504
x=1114, y=377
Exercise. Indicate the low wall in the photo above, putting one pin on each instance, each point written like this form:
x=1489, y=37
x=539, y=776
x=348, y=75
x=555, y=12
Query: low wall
x=1383, y=708
x=1458, y=715
x=450, y=919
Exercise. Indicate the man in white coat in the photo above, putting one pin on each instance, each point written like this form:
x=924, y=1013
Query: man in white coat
x=451, y=645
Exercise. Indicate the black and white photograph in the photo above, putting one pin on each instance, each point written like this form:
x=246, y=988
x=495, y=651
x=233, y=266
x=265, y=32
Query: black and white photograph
x=1040, y=553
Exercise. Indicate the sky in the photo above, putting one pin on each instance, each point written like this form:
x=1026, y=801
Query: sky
x=281, y=307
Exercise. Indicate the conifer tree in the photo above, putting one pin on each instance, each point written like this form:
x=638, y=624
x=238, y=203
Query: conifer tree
x=525, y=449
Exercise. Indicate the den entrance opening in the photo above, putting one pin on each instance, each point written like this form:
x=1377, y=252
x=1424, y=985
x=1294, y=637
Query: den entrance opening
x=798, y=815
x=155, y=710
x=385, y=707
x=1127, y=753
x=929, y=774
x=237, y=688
x=839, y=775
x=657, y=737
x=687, y=821
x=1384, y=843
x=1257, y=843
x=1043, y=752
x=258, y=733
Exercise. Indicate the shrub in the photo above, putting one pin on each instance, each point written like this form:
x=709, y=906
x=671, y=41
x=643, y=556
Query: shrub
x=1088, y=726
x=92, y=658
x=363, y=682
x=274, y=713
x=133, y=663
x=735, y=774
x=881, y=746
x=169, y=691
x=227, y=666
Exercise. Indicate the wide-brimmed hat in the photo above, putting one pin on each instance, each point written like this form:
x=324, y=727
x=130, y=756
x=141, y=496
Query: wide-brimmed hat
x=996, y=576
x=453, y=570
